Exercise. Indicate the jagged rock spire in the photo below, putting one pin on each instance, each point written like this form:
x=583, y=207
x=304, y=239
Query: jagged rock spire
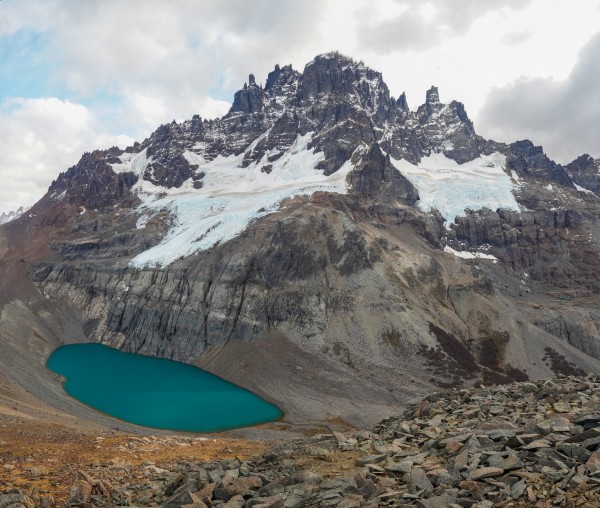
x=250, y=99
x=432, y=96
x=401, y=102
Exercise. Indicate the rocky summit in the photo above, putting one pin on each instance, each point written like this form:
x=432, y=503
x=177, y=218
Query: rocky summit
x=521, y=444
x=12, y=215
x=323, y=244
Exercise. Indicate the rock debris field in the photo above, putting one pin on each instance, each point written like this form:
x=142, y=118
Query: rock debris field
x=522, y=444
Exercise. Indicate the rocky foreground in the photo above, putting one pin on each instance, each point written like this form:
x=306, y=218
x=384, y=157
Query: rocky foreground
x=523, y=444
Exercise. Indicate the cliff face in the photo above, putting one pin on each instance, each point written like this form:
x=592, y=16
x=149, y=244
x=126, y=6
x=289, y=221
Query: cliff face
x=288, y=247
x=360, y=292
x=584, y=172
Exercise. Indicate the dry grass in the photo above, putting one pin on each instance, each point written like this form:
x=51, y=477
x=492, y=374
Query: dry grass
x=61, y=451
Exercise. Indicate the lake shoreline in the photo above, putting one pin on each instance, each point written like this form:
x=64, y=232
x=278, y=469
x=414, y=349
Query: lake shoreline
x=156, y=393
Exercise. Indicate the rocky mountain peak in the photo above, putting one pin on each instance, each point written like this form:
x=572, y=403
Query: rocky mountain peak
x=528, y=160
x=585, y=173
x=280, y=78
x=447, y=128
x=336, y=105
x=402, y=103
x=432, y=105
x=432, y=96
x=585, y=160
x=250, y=99
x=461, y=113
x=196, y=124
x=93, y=184
x=375, y=176
x=331, y=59
x=12, y=215
x=340, y=76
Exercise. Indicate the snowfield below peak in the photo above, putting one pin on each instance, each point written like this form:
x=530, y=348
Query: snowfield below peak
x=464, y=254
x=452, y=188
x=230, y=198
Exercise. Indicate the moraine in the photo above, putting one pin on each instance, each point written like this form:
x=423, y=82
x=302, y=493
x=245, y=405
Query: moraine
x=155, y=392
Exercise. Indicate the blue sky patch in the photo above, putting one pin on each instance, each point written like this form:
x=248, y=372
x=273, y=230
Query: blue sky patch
x=27, y=69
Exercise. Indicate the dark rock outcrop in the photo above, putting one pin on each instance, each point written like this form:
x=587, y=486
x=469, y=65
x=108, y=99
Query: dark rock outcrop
x=377, y=177
x=528, y=160
x=250, y=99
x=92, y=183
x=585, y=172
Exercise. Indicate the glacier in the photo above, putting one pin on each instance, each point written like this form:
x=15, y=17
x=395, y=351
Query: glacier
x=452, y=188
x=231, y=197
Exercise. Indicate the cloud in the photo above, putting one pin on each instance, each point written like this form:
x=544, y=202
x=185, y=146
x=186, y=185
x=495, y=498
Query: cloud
x=516, y=38
x=17, y=15
x=422, y=26
x=162, y=61
x=562, y=115
x=38, y=139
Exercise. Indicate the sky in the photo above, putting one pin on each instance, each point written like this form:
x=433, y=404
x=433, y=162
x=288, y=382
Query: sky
x=76, y=75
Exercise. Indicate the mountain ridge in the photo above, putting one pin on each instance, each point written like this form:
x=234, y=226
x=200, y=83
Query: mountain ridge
x=337, y=107
x=12, y=215
x=275, y=107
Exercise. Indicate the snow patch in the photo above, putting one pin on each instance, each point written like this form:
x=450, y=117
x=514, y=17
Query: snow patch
x=193, y=158
x=452, y=188
x=230, y=198
x=447, y=145
x=58, y=197
x=463, y=254
x=582, y=189
x=132, y=162
x=142, y=221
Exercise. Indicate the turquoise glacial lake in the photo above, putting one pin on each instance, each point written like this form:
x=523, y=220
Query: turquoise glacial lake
x=155, y=392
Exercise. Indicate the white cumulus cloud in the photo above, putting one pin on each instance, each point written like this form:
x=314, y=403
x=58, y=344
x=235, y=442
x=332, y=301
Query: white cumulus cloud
x=562, y=115
x=38, y=139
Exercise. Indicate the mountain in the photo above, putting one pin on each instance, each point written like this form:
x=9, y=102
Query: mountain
x=12, y=215
x=585, y=171
x=321, y=244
